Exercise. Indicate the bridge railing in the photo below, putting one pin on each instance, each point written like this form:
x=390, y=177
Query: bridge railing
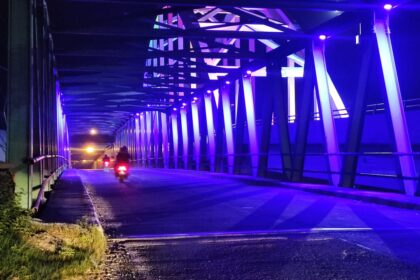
x=380, y=164
x=60, y=166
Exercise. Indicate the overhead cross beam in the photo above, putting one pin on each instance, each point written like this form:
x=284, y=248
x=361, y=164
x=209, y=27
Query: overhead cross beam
x=270, y=4
x=188, y=33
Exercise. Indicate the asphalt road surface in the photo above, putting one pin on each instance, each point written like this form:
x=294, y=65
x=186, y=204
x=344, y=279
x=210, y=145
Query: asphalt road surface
x=175, y=224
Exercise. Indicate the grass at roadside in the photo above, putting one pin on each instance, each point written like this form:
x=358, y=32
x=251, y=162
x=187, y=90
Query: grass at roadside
x=32, y=250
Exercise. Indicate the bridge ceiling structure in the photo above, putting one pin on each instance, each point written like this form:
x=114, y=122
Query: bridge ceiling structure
x=118, y=58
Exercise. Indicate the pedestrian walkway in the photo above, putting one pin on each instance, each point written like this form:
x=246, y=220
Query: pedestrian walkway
x=68, y=202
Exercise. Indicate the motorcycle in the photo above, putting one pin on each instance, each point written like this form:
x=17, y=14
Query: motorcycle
x=121, y=171
x=106, y=165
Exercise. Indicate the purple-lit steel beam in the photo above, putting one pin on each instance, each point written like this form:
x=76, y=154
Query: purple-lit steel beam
x=240, y=125
x=165, y=144
x=250, y=119
x=156, y=141
x=276, y=100
x=175, y=138
x=184, y=128
x=210, y=130
x=357, y=117
x=143, y=139
x=138, y=150
x=330, y=133
x=196, y=131
x=148, y=137
x=227, y=116
x=395, y=103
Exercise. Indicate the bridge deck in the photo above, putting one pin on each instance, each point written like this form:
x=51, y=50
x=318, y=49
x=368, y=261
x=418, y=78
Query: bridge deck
x=167, y=204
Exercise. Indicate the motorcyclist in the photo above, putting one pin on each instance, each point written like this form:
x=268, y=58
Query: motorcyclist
x=106, y=158
x=123, y=158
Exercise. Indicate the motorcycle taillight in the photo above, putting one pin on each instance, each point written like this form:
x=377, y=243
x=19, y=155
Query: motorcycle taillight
x=122, y=168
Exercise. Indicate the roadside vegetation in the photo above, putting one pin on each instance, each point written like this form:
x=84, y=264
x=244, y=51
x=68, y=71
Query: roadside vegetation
x=33, y=250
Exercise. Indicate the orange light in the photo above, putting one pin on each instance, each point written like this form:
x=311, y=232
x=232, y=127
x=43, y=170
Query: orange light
x=89, y=149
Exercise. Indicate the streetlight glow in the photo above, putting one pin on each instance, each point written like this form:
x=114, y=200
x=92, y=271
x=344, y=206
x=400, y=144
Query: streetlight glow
x=90, y=149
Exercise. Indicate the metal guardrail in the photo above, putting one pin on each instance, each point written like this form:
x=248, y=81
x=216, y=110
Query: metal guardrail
x=40, y=158
x=191, y=158
x=47, y=181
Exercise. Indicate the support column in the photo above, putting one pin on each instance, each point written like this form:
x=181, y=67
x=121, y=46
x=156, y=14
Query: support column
x=137, y=145
x=357, y=117
x=175, y=137
x=227, y=116
x=196, y=131
x=326, y=111
x=395, y=103
x=20, y=98
x=156, y=137
x=210, y=131
x=184, y=128
x=143, y=139
x=250, y=119
x=165, y=145
x=148, y=138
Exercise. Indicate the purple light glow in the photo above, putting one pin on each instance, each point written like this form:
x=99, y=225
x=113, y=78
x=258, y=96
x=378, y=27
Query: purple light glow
x=248, y=72
x=208, y=91
x=227, y=82
x=174, y=109
x=137, y=114
x=195, y=98
x=322, y=37
x=184, y=104
x=388, y=7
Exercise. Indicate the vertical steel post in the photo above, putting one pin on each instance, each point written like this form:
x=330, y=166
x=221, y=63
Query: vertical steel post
x=250, y=119
x=196, y=131
x=143, y=139
x=149, y=138
x=165, y=145
x=137, y=145
x=227, y=116
x=156, y=137
x=184, y=129
x=175, y=138
x=210, y=131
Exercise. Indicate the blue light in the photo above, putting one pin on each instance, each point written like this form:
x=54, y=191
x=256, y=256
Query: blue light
x=322, y=37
